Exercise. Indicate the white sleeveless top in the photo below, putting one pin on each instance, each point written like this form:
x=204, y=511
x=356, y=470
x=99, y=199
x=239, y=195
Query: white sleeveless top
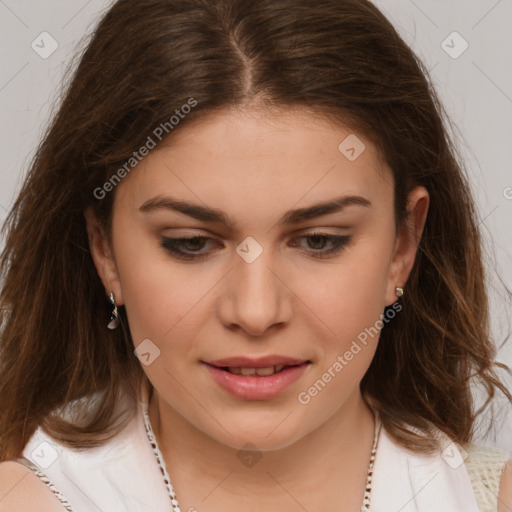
x=123, y=475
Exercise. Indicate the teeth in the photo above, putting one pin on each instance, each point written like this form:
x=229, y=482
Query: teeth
x=265, y=371
x=262, y=372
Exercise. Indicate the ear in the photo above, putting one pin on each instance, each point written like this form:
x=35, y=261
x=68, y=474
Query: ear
x=407, y=241
x=102, y=256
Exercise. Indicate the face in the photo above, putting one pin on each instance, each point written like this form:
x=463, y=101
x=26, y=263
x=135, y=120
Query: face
x=261, y=241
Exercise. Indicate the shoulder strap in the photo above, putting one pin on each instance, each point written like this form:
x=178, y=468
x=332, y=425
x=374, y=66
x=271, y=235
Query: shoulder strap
x=485, y=465
x=42, y=476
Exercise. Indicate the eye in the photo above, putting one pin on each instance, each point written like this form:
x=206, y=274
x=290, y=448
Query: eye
x=318, y=242
x=186, y=248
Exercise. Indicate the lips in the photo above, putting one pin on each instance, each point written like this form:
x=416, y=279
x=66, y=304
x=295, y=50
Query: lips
x=263, y=366
x=256, y=378
x=260, y=362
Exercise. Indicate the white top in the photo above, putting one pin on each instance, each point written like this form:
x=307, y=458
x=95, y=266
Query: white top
x=123, y=475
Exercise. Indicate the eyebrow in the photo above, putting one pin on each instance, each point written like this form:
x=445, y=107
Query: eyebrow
x=207, y=214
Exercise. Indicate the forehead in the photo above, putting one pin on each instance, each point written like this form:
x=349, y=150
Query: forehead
x=250, y=159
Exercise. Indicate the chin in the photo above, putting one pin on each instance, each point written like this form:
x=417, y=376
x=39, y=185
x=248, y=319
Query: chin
x=258, y=435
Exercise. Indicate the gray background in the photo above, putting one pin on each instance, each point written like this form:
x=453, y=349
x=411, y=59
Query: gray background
x=475, y=87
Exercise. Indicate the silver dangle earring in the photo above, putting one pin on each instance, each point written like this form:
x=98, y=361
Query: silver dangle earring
x=399, y=291
x=114, y=319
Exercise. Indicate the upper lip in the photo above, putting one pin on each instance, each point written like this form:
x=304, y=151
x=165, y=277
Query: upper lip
x=256, y=362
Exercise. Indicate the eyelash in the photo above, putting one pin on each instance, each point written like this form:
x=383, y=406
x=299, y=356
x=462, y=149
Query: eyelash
x=175, y=245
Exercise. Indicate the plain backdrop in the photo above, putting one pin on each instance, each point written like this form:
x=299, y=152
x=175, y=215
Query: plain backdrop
x=464, y=43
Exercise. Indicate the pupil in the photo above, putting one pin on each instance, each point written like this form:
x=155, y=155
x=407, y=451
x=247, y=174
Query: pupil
x=194, y=242
x=317, y=239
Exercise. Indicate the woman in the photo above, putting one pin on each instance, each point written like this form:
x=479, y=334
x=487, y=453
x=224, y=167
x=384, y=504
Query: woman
x=266, y=197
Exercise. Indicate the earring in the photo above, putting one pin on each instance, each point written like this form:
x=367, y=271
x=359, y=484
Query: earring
x=114, y=319
x=399, y=291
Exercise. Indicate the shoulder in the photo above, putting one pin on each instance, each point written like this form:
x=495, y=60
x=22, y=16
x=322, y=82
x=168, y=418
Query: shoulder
x=490, y=472
x=505, y=494
x=22, y=491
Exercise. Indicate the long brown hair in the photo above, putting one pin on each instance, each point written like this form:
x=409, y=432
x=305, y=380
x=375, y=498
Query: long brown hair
x=341, y=59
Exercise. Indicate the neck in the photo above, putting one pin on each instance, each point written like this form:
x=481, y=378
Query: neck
x=327, y=465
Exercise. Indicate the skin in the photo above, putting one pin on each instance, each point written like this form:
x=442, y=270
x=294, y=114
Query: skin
x=505, y=494
x=255, y=166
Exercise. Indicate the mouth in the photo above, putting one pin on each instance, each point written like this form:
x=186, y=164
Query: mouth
x=256, y=379
x=257, y=362
x=247, y=371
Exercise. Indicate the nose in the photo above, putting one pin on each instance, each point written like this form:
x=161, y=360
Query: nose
x=255, y=297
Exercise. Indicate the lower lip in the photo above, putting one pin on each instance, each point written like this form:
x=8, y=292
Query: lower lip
x=256, y=387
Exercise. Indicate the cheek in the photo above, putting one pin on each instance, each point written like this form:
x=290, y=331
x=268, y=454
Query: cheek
x=157, y=293
x=350, y=300
x=348, y=296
